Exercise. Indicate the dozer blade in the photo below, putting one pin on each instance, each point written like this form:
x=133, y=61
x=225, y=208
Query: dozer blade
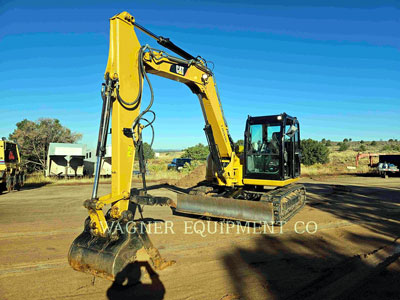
x=275, y=207
x=106, y=257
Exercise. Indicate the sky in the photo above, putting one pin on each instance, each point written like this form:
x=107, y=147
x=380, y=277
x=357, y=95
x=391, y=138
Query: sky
x=335, y=65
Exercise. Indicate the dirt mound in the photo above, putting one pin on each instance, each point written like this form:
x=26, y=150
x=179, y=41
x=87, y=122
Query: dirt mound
x=197, y=175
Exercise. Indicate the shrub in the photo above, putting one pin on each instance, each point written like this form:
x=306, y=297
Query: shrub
x=345, y=140
x=190, y=167
x=147, y=151
x=328, y=143
x=344, y=146
x=239, y=143
x=362, y=148
x=314, y=152
x=391, y=148
x=373, y=143
x=198, y=152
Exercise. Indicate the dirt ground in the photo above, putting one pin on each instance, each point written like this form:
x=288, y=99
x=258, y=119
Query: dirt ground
x=350, y=251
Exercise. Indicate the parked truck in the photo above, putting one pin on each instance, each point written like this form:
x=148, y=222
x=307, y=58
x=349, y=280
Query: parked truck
x=12, y=175
x=179, y=163
x=388, y=164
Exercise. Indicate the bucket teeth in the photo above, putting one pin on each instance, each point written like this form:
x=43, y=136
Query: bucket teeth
x=106, y=257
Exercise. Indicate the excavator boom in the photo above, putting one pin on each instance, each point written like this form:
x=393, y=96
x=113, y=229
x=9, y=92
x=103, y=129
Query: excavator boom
x=111, y=241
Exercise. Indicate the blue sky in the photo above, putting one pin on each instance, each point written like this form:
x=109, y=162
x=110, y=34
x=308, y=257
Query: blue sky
x=333, y=64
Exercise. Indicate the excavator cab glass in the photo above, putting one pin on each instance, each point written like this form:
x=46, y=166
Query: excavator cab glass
x=272, y=147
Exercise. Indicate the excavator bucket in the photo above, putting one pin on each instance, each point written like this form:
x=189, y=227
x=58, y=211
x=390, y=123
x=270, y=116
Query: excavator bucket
x=275, y=207
x=107, y=257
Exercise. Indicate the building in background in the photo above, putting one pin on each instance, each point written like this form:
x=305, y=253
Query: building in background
x=65, y=160
x=91, y=160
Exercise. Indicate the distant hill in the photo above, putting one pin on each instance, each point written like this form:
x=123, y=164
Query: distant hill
x=167, y=150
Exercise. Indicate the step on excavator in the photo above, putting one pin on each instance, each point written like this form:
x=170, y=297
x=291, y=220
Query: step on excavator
x=255, y=182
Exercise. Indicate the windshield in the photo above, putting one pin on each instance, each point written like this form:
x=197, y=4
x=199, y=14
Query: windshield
x=263, y=148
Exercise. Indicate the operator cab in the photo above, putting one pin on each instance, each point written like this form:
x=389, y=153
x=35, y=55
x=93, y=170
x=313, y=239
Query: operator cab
x=272, y=147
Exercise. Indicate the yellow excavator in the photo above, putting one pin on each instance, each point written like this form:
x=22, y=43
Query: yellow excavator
x=256, y=182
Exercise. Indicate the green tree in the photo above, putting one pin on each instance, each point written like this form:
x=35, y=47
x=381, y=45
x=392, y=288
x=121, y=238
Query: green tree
x=328, y=143
x=361, y=142
x=198, y=152
x=313, y=152
x=373, y=143
x=147, y=151
x=239, y=143
x=345, y=140
x=344, y=147
x=34, y=139
x=323, y=141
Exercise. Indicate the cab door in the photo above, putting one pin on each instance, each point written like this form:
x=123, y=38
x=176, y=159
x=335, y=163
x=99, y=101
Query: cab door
x=291, y=155
x=297, y=151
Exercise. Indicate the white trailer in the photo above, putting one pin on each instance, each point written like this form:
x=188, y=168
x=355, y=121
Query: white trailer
x=90, y=163
x=65, y=160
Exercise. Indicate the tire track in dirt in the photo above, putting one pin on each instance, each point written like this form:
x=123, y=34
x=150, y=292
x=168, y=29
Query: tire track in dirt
x=38, y=233
x=60, y=263
x=32, y=267
x=350, y=274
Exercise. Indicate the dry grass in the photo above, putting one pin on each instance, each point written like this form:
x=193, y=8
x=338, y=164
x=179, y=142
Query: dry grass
x=39, y=179
x=157, y=170
x=338, y=163
x=329, y=169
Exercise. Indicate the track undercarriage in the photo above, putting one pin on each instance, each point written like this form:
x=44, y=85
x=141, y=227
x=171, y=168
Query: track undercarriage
x=254, y=204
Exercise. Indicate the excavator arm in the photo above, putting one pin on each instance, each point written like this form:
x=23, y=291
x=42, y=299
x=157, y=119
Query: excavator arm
x=127, y=67
x=100, y=249
x=112, y=241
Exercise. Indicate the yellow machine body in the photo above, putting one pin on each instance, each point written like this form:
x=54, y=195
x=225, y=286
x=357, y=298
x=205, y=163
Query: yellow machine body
x=12, y=174
x=99, y=250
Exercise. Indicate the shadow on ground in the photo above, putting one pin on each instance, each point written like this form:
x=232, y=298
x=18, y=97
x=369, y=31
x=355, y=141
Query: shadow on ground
x=295, y=267
x=375, y=208
x=31, y=186
x=129, y=284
